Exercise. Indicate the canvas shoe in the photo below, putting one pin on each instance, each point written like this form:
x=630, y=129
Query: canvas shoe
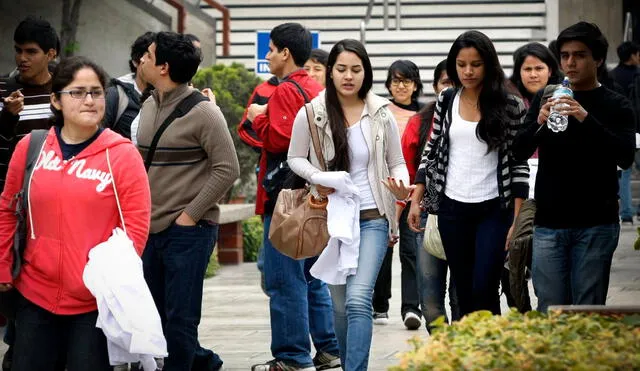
x=325, y=361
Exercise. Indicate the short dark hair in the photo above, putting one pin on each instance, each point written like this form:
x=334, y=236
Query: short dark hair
x=39, y=31
x=590, y=35
x=65, y=73
x=294, y=37
x=179, y=53
x=407, y=70
x=541, y=52
x=319, y=56
x=139, y=47
x=191, y=37
x=626, y=50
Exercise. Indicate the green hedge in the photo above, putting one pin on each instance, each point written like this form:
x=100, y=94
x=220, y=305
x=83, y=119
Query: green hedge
x=533, y=341
x=252, y=238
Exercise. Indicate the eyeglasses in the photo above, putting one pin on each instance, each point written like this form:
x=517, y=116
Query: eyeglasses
x=405, y=82
x=82, y=94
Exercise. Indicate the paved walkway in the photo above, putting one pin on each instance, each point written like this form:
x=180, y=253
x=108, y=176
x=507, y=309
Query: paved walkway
x=235, y=320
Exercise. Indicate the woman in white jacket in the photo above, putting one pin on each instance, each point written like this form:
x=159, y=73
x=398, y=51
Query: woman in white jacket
x=359, y=136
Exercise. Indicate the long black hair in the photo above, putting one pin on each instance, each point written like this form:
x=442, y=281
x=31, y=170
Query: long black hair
x=65, y=73
x=543, y=54
x=335, y=113
x=426, y=113
x=492, y=128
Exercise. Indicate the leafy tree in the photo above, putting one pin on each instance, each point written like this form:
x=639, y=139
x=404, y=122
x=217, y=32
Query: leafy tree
x=232, y=86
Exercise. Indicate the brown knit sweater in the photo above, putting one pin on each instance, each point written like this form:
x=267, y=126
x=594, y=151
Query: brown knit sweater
x=195, y=162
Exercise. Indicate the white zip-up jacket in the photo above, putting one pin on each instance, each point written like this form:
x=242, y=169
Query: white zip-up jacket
x=385, y=151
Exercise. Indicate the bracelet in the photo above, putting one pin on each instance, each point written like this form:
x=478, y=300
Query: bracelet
x=402, y=203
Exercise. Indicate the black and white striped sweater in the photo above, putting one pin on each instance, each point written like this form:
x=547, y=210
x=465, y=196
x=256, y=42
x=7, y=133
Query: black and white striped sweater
x=513, y=176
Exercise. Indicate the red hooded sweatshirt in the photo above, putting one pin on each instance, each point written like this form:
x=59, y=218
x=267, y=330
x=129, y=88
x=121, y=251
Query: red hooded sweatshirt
x=72, y=208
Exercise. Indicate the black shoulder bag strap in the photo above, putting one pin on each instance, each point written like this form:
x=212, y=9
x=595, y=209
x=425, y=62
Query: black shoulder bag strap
x=304, y=95
x=183, y=107
x=22, y=200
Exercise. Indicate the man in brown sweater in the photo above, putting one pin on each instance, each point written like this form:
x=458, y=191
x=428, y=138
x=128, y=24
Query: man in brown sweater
x=194, y=165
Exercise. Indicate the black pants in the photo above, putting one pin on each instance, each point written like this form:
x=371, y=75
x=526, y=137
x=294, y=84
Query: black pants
x=473, y=236
x=409, y=283
x=42, y=338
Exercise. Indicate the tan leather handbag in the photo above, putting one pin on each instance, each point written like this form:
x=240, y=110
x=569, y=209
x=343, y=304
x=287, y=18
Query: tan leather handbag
x=299, y=222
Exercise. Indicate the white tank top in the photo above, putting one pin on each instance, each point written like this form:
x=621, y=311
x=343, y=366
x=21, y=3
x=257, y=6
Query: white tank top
x=359, y=164
x=472, y=173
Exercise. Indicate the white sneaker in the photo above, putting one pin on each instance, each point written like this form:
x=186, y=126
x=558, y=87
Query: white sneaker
x=380, y=318
x=412, y=321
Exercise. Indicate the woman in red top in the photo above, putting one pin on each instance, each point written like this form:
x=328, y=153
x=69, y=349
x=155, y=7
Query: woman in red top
x=80, y=171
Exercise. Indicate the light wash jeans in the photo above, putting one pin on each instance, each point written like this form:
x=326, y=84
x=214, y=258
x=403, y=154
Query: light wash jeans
x=624, y=192
x=352, y=309
x=572, y=266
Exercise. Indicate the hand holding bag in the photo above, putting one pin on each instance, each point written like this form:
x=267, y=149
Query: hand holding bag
x=431, y=241
x=299, y=223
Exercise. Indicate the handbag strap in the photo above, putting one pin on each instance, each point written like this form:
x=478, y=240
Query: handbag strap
x=115, y=192
x=315, y=136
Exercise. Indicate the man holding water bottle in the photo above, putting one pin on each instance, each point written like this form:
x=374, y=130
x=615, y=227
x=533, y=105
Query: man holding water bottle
x=576, y=223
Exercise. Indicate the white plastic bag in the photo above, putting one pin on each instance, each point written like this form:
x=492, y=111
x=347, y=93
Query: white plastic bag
x=431, y=241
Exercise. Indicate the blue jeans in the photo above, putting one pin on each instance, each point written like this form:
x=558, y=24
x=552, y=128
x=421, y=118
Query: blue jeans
x=474, y=236
x=352, y=307
x=626, y=207
x=432, y=283
x=572, y=266
x=174, y=262
x=409, y=281
x=300, y=305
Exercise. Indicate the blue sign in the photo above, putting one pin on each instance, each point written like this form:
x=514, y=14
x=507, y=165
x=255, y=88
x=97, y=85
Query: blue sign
x=262, y=48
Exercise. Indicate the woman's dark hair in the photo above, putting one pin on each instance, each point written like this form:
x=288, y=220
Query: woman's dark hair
x=335, y=114
x=405, y=69
x=542, y=53
x=492, y=128
x=426, y=113
x=319, y=56
x=65, y=73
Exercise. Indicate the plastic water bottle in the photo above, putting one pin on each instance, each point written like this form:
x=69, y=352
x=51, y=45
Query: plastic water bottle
x=558, y=122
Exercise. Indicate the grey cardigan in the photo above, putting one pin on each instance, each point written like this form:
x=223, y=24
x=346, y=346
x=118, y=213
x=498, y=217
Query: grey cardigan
x=384, y=144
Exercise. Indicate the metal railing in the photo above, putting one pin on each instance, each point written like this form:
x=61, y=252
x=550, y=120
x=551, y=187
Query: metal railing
x=628, y=27
x=385, y=18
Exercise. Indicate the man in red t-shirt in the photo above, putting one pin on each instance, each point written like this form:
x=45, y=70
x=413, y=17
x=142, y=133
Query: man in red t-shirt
x=288, y=283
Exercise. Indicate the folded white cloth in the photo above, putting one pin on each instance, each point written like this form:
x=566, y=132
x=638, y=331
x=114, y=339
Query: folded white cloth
x=340, y=258
x=126, y=311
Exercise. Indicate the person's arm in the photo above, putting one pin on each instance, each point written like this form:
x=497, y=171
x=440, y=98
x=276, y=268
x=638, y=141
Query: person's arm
x=409, y=143
x=529, y=137
x=10, y=114
x=245, y=127
x=436, y=131
x=216, y=141
x=618, y=137
x=275, y=125
x=300, y=146
x=518, y=167
x=132, y=185
x=394, y=156
x=8, y=221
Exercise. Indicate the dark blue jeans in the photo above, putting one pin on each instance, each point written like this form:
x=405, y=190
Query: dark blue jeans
x=572, y=266
x=299, y=305
x=473, y=236
x=43, y=338
x=432, y=282
x=175, y=261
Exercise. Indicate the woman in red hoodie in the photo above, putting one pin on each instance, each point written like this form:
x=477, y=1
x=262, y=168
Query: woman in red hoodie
x=80, y=171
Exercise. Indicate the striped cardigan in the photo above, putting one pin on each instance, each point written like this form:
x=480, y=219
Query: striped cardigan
x=513, y=176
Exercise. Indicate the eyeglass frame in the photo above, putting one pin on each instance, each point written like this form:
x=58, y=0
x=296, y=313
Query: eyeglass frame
x=102, y=93
x=405, y=82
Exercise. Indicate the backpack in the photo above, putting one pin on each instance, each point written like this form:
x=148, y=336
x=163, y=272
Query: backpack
x=129, y=105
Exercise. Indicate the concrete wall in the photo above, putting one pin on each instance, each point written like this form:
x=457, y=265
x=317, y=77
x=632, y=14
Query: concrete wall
x=607, y=14
x=105, y=32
